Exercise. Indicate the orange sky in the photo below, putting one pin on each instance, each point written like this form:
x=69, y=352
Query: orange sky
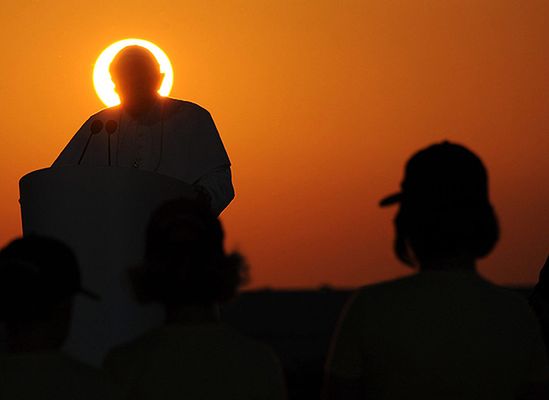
x=319, y=104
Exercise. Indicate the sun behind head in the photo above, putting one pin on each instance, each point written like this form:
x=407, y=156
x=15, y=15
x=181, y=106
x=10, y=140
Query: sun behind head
x=104, y=85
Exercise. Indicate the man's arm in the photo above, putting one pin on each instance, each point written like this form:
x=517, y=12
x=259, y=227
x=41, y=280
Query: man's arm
x=219, y=188
x=206, y=163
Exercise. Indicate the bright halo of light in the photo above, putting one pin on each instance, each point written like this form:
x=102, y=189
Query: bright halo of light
x=102, y=81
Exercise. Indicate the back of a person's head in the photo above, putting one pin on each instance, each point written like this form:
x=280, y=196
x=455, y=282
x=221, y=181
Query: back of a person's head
x=37, y=274
x=445, y=211
x=185, y=260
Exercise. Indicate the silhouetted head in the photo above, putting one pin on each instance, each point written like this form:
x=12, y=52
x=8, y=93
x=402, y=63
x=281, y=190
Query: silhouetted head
x=185, y=261
x=136, y=75
x=445, y=212
x=39, y=277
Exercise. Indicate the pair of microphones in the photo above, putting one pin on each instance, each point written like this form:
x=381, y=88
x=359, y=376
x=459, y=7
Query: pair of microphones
x=97, y=126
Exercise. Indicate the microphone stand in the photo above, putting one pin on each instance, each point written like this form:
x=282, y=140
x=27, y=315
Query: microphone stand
x=110, y=127
x=95, y=128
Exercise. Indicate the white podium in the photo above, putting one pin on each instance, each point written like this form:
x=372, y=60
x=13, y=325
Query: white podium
x=101, y=213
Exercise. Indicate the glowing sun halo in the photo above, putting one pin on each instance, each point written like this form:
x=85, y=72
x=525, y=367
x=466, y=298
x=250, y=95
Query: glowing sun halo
x=104, y=86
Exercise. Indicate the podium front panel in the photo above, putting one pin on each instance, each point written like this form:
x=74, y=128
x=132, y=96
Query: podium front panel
x=101, y=213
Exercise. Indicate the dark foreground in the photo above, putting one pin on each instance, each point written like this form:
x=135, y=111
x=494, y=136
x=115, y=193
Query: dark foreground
x=298, y=325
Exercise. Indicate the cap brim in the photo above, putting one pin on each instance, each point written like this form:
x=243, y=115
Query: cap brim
x=390, y=200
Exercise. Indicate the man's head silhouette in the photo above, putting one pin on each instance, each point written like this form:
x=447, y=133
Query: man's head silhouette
x=445, y=211
x=137, y=77
x=185, y=260
x=39, y=278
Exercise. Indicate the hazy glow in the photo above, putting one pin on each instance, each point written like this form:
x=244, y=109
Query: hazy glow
x=102, y=82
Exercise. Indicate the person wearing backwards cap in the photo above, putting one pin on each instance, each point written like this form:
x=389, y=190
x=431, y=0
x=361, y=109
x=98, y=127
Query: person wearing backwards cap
x=444, y=332
x=39, y=278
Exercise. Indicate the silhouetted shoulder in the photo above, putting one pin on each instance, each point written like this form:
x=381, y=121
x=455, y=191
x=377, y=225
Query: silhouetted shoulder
x=183, y=108
x=53, y=375
x=185, y=357
x=148, y=344
x=136, y=349
x=513, y=302
x=380, y=289
x=185, y=105
x=434, y=289
x=94, y=377
x=172, y=108
x=253, y=348
x=440, y=281
x=106, y=114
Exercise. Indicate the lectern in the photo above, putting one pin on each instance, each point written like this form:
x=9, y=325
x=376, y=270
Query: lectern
x=102, y=213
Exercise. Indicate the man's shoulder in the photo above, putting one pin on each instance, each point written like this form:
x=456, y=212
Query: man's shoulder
x=172, y=108
x=106, y=113
x=184, y=107
x=158, y=340
x=386, y=286
x=186, y=104
x=509, y=298
x=56, y=363
x=255, y=354
x=442, y=286
x=135, y=348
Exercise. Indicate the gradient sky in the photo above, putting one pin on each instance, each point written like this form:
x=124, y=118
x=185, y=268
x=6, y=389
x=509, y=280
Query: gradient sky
x=319, y=105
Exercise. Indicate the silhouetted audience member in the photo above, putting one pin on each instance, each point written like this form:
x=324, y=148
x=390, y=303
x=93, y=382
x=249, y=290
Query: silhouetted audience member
x=540, y=302
x=39, y=278
x=445, y=332
x=194, y=355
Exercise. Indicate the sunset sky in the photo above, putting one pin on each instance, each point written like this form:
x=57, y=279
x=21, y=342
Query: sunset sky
x=319, y=104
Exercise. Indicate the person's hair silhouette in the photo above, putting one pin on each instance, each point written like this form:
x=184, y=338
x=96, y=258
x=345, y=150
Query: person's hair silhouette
x=445, y=332
x=194, y=355
x=137, y=78
x=185, y=261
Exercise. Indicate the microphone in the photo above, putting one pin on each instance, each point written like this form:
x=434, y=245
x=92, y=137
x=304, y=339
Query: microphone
x=110, y=127
x=95, y=128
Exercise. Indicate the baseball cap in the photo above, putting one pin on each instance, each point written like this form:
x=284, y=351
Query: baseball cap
x=443, y=174
x=37, y=272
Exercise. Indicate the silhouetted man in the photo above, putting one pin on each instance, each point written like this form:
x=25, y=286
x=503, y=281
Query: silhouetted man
x=39, y=278
x=172, y=137
x=194, y=355
x=444, y=332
